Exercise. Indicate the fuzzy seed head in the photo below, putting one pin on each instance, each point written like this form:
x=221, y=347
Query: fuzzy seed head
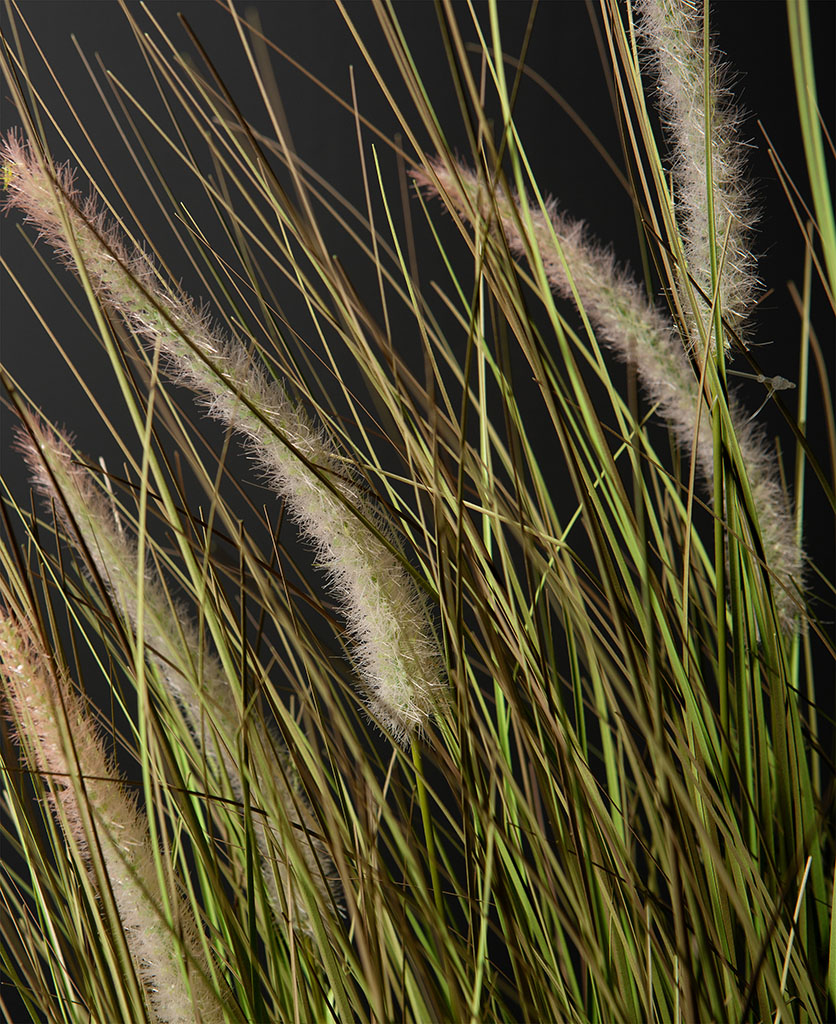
x=394, y=648
x=579, y=269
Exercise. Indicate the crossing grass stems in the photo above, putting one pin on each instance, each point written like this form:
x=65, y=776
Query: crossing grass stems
x=509, y=737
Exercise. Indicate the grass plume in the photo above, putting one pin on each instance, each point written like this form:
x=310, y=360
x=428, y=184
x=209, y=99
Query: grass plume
x=190, y=672
x=394, y=648
x=712, y=191
x=581, y=270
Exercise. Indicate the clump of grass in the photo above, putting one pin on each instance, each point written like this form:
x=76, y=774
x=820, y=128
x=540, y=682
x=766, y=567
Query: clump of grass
x=519, y=752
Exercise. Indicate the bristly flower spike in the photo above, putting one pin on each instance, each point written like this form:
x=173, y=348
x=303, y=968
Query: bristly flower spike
x=174, y=645
x=394, y=647
x=635, y=330
x=673, y=33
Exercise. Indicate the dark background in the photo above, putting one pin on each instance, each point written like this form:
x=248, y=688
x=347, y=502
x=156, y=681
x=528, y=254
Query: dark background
x=563, y=50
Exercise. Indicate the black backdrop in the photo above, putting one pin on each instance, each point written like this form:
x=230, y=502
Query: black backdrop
x=563, y=50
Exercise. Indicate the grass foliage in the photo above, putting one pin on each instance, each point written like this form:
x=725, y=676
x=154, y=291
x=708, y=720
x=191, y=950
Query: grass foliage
x=533, y=725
